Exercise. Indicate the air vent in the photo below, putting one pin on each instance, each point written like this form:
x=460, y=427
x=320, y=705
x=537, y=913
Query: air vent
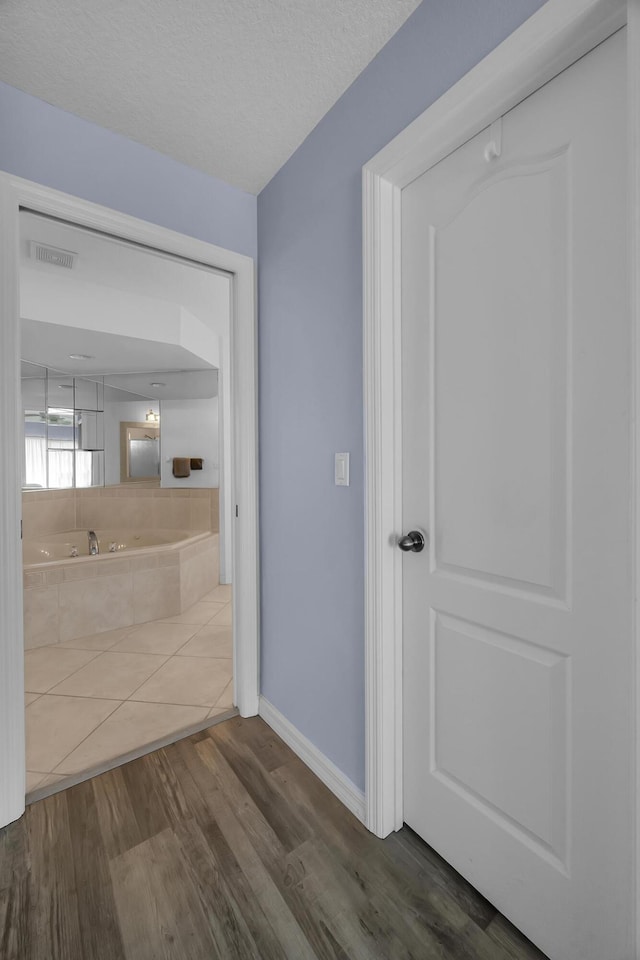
x=53, y=255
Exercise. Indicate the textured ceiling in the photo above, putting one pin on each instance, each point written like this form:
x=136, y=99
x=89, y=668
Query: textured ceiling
x=230, y=87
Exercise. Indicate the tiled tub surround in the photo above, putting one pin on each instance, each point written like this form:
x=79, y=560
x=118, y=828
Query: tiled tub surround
x=94, y=699
x=75, y=543
x=84, y=596
x=54, y=511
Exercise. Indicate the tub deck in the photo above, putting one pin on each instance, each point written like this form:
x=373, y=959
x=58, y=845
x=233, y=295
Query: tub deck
x=79, y=596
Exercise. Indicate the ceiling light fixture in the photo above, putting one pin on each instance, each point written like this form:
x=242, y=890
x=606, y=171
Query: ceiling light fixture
x=152, y=416
x=80, y=356
x=158, y=384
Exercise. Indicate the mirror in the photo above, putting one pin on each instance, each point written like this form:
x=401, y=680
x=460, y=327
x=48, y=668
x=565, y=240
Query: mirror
x=72, y=431
x=139, y=452
x=97, y=431
x=63, y=428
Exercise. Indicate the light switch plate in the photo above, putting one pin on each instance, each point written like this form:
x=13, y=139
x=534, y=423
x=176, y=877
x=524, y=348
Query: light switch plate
x=342, y=470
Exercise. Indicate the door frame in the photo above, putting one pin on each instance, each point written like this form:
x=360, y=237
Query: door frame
x=17, y=193
x=552, y=39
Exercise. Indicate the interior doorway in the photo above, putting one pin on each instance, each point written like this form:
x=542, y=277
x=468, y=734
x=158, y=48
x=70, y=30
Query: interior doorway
x=127, y=595
x=91, y=457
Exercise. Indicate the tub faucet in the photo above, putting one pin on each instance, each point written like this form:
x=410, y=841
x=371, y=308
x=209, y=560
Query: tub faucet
x=94, y=548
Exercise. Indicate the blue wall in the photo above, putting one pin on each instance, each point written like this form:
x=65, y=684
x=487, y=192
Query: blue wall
x=310, y=330
x=45, y=144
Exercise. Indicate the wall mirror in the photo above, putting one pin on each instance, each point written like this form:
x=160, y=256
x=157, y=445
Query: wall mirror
x=72, y=429
x=98, y=431
x=139, y=451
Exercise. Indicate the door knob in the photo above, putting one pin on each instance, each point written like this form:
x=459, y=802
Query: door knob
x=413, y=542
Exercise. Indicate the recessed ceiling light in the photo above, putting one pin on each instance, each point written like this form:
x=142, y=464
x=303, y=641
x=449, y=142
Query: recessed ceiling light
x=157, y=384
x=65, y=386
x=80, y=356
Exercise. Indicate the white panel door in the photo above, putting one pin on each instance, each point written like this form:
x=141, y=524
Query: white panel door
x=516, y=426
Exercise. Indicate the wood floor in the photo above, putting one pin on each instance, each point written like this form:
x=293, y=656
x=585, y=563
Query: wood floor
x=225, y=845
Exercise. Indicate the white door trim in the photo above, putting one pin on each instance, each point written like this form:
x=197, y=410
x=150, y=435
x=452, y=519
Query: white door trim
x=553, y=38
x=14, y=194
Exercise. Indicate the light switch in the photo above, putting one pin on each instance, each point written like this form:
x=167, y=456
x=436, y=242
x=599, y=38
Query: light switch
x=342, y=470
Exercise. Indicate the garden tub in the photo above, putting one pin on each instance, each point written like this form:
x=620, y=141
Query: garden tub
x=138, y=575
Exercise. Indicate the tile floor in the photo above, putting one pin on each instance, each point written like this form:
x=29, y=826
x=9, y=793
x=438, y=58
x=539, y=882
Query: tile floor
x=96, y=698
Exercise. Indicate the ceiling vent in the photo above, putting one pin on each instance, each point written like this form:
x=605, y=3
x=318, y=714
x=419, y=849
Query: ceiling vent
x=53, y=255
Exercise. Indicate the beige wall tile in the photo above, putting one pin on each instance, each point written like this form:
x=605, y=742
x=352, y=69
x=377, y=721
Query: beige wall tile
x=156, y=593
x=87, y=513
x=200, y=515
x=91, y=606
x=31, y=496
x=111, y=568
x=82, y=569
x=147, y=561
x=198, y=576
x=86, y=569
x=41, y=618
x=171, y=514
x=168, y=558
x=40, y=517
x=35, y=578
x=51, y=511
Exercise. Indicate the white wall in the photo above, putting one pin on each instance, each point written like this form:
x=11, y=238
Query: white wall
x=114, y=413
x=189, y=428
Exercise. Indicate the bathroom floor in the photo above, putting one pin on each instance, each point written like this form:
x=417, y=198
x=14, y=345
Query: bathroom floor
x=96, y=698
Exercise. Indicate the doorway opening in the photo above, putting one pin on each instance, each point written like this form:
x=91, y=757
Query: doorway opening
x=137, y=455
x=127, y=595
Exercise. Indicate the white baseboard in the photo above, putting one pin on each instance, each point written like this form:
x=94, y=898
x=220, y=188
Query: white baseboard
x=339, y=784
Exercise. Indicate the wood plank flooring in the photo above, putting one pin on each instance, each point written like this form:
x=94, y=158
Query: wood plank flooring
x=224, y=845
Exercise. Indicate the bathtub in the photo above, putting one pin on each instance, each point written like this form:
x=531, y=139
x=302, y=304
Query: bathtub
x=150, y=574
x=73, y=544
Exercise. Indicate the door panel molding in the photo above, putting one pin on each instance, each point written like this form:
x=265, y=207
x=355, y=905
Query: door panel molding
x=14, y=194
x=549, y=42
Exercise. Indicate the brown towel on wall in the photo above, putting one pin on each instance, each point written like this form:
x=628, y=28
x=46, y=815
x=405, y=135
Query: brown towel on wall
x=181, y=467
